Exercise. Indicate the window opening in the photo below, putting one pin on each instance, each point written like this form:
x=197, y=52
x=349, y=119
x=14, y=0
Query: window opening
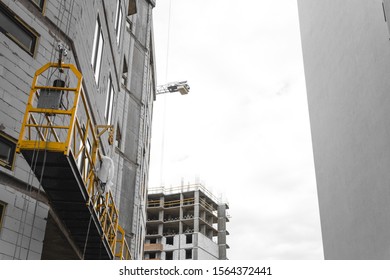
x=153, y=241
x=109, y=100
x=124, y=72
x=118, y=137
x=97, y=50
x=118, y=21
x=188, y=254
x=169, y=240
x=169, y=255
x=17, y=30
x=188, y=238
x=7, y=151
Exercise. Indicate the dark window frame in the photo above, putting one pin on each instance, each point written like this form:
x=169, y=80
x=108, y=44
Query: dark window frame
x=7, y=140
x=40, y=5
x=28, y=31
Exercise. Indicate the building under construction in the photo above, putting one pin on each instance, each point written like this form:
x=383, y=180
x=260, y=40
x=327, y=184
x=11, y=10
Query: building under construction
x=77, y=84
x=185, y=223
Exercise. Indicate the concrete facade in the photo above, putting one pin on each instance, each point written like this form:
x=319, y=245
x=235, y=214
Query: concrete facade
x=346, y=52
x=128, y=62
x=24, y=222
x=186, y=222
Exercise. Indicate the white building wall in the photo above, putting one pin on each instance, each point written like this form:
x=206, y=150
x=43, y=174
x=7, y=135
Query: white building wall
x=207, y=249
x=346, y=51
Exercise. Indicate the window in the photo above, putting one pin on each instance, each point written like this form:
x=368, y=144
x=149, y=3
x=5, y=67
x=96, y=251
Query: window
x=39, y=3
x=118, y=21
x=128, y=25
x=2, y=211
x=386, y=12
x=132, y=8
x=188, y=254
x=109, y=100
x=169, y=255
x=124, y=72
x=118, y=137
x=97, y=50
x=7, y=151
x=18, y=31
x=169, y=240
x=188, y=238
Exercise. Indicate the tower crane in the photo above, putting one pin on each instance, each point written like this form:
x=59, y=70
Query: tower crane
x=181, y=87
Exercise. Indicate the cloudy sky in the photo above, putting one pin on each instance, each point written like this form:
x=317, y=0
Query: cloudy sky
x=244, y=128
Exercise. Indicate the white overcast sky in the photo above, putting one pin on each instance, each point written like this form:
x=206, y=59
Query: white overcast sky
x=244, y=128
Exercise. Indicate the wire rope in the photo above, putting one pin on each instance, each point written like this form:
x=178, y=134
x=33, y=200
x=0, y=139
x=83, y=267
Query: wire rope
x=87, y=236
x=165, y=99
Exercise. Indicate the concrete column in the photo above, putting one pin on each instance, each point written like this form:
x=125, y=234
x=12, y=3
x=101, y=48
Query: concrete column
x=222, y=232
x=196, y=225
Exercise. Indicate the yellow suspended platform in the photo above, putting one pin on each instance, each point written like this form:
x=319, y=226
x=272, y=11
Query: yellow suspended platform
x=61, y=143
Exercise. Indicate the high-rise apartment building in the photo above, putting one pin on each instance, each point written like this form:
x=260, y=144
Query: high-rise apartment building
x=185, y=223
x=346, y=51
x=48, y=209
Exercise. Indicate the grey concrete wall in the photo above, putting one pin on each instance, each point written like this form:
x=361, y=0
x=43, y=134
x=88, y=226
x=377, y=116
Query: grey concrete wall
x=137, y=135
x=23, y=227
x=346, y=53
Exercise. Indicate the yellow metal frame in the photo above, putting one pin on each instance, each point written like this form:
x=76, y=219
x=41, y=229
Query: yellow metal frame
x=79, y=138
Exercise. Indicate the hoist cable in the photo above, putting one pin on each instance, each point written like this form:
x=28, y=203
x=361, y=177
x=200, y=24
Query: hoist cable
x=165, y=99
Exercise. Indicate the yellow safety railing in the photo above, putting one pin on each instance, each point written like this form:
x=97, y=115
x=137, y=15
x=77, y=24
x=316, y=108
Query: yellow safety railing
x=154, y=203
x=122, y=250
x=206, y=205
x=172, y=203
x=188, y=201
x=69, y=129
x=176, y=203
